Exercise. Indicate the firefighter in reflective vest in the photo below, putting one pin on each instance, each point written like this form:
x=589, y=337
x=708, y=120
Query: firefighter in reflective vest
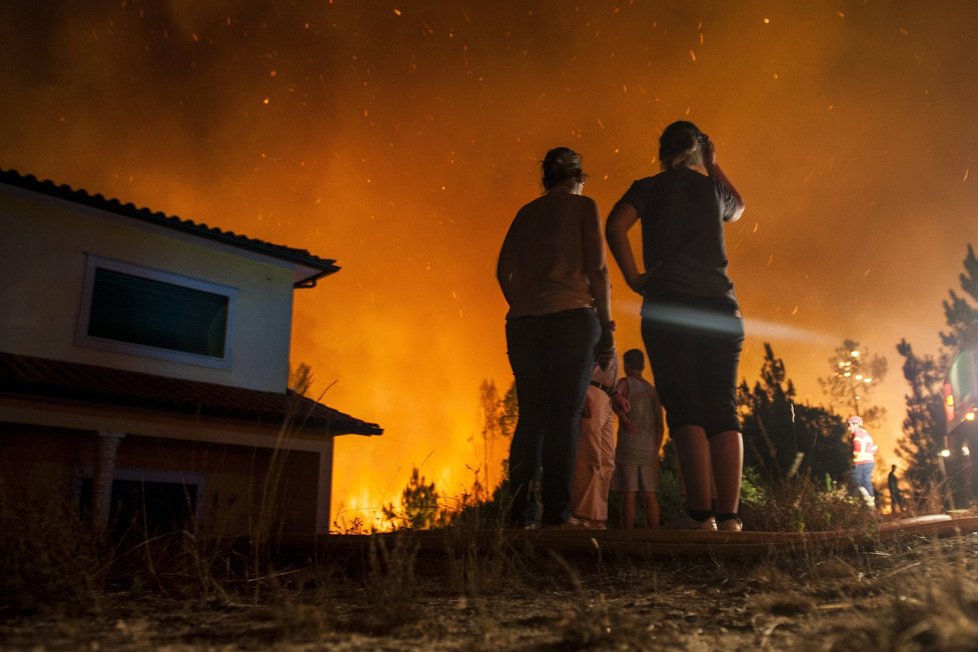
x=863, y=460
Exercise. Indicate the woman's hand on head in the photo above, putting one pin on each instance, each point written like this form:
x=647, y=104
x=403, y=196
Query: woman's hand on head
x=709, y=152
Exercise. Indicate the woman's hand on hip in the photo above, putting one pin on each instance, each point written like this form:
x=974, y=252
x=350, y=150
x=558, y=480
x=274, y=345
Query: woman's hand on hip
x=638, y=283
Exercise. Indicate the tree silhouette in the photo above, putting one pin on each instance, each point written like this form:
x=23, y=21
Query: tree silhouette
x=960, y=314
x=855, y=373
x=770, y=442
x=498, y=416
x=784, y=438
x=300, y=378
x=924, y=425
x=925, y=428
x=491, y=410
x=419, y=508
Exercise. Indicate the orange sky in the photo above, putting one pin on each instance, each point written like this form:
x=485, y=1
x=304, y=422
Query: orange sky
x=400, y=138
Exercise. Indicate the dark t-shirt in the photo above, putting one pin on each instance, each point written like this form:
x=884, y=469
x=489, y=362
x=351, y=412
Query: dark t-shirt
x=682, y=214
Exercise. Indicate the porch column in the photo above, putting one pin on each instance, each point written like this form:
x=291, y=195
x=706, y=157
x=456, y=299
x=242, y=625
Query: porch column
x=324, y=488
x=106, y=446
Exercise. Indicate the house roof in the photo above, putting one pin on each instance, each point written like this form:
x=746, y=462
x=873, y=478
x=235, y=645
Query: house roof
x=32, y=377
x=321, y=266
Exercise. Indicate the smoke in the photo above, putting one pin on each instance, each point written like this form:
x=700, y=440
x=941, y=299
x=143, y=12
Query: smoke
x=401, y=139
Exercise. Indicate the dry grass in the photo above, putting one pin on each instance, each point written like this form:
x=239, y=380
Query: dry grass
x=62, y=590
x=480, y=557
x=914, y=595
x=391, y=584
x=933, y=602
x=50, y=562
x=798, y=505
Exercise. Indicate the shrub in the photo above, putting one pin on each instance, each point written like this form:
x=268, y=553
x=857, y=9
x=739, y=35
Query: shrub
x=798, y=504
x=50, y=560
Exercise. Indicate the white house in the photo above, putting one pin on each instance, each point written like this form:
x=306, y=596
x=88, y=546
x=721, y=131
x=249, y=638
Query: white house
x=144, y=366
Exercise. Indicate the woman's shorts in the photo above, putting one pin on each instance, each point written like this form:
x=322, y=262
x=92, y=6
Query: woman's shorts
x=694, y=346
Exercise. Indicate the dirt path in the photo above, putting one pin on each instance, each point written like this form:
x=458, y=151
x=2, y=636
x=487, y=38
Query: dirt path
x=912, y=593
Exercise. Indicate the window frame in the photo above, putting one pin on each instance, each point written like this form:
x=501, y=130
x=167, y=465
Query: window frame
x=84, y=339
x=197, y=480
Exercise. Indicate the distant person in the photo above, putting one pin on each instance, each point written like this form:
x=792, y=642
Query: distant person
x=896, y=496
x=640, y=432
x=553, y=272
x=596, y=448
x=691, y=321
x=863, y=460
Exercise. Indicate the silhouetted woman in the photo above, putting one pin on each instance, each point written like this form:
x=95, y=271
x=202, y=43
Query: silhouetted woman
x=691, y=320
x=553, y=272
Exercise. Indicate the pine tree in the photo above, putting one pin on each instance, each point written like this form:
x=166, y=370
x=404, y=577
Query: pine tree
x=769, y=435
x=824, y=439
x=777, y=429
x=960, y=314
x=855, y=372
x=491, y=408
x=419, y=509
x=498, y=417
x=923, y=427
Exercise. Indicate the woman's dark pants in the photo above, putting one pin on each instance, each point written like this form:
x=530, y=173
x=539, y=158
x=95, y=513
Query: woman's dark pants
x=552, y=357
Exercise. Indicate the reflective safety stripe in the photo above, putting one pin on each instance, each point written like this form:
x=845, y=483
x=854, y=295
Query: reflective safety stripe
x=863, y=448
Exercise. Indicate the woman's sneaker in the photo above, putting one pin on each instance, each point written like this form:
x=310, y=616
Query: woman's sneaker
x=684, y=521
x=573, y=523
x=730, y=525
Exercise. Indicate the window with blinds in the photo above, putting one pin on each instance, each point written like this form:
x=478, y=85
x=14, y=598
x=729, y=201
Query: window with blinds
x=137, y=310
x=153, y=313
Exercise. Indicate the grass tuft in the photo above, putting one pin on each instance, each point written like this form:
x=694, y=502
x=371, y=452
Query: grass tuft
x=50, y=560
x=391, y=584
x=799, y=505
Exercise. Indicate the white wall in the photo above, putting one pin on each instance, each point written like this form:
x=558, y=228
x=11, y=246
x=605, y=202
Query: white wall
x=44, y=243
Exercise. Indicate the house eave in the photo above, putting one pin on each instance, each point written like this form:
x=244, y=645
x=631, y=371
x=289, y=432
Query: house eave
x=79, y=416
x=110, y=391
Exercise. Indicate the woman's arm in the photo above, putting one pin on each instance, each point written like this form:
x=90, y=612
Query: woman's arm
x=623, y=217
x=596, y=264
x=714, y=170
x=505, y=265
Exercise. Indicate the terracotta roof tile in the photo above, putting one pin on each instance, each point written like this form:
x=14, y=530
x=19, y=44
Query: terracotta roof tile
x=324, y=266
x=29, y=376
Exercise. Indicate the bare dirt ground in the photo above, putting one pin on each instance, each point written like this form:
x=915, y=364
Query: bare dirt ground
x=913, y=593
